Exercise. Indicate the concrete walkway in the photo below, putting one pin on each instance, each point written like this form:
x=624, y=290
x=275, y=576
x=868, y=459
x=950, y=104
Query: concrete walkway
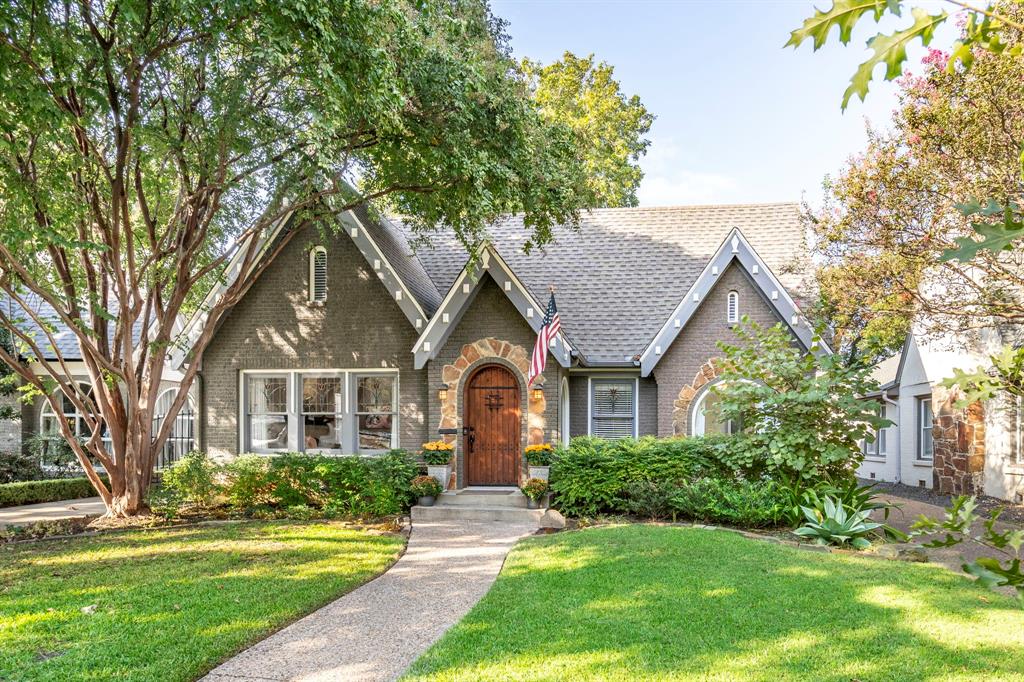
x=376, y=631
x=51, y=511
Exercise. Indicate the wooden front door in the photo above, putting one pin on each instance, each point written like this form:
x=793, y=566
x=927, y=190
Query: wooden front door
x=491, y=420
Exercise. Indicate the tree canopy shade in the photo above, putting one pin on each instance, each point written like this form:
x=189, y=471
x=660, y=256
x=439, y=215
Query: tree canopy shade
x=143, y=143
x=609, y=126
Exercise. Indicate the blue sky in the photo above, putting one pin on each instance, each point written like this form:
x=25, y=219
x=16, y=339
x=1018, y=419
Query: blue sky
x=739, y=119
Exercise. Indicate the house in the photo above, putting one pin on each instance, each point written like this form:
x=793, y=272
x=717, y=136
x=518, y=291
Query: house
x=38, y=418
x=933, y=443
x=353, y=342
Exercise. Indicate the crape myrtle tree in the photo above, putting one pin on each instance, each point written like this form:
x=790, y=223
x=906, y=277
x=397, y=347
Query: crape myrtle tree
x=956, y=149
x=144, y=143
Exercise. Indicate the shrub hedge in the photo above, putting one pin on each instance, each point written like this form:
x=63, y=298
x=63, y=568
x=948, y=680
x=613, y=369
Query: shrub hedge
x=289, y=483
x=691, y=478
x=51, y=490
x=590, y=476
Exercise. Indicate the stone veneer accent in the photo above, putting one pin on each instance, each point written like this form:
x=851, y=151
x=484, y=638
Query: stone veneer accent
x=681, y=414
x=958, y=467
x=474, y=355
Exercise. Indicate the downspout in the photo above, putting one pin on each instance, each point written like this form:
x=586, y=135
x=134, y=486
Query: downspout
x=899, y=442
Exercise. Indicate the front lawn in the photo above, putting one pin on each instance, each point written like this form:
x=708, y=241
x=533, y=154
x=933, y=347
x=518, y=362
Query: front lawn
x=670, y=603
x=169, y=604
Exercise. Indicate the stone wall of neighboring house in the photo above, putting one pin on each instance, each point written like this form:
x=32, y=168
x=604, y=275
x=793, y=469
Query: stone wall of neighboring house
x=275, y=327
x=683, y=369
x=958, y=434
x=491, y=330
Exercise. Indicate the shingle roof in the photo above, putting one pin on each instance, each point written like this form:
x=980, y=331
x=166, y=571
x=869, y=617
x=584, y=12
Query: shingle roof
x=66, y=341
x=885, y=372
x=621, y=275
x=407, y=265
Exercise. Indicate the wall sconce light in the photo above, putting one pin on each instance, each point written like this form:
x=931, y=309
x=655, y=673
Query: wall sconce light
x=538, y=392
x=442, y=393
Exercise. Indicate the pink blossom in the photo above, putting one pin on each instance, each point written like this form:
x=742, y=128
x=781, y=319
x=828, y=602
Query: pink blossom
x=935, y=58
x=914, y=139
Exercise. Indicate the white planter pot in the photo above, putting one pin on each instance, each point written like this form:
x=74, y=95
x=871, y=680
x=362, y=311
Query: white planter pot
x=441, y=473
x=540, y=472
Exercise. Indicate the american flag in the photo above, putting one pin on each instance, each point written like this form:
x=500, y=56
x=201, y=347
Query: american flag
x=548, y=330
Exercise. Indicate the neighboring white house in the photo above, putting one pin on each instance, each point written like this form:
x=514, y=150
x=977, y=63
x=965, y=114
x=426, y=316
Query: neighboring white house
x=935, y=444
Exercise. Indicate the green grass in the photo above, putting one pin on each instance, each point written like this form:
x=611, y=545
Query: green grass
x=170, y=604
x=669, y=603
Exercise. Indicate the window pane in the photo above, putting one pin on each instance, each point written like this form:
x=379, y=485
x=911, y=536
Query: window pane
x=268, y=431
x=322, y=432
x=376, y=394
x=714, y=422
x=375, y=432
x=268, y=394
x=612, y=427
x=613, y=399
x=321, y=394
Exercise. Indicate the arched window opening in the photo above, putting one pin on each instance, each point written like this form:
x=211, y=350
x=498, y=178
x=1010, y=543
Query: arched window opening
x=182, y=439
x=733, y=307
x=318, y=275
x=708, y=418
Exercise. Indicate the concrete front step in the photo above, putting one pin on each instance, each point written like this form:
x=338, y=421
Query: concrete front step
x=452, y=512
x=483, y=498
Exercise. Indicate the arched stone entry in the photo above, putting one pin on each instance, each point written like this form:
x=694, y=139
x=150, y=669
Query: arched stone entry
x=474, y=355
x=681, y=412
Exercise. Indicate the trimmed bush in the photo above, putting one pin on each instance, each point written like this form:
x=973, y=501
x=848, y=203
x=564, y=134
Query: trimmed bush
x=51, y=490
x=592, y=474
x=749, y=504
x=340, y=486
x=190, y=479
x=18, y=466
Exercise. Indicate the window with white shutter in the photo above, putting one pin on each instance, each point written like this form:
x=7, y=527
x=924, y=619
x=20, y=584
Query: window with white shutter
x=318, y=275
x=613, y=408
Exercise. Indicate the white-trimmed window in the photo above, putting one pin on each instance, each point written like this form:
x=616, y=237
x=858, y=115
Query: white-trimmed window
x=318, y=274
x=331, y=411
x=613, y=408
x=708, y=418
x=48, y=420
x=876, y=447
x=267, y=413
x=732, y=308
x=182, y=439
x=323, y=412
x=375, y=412
x=925, y=445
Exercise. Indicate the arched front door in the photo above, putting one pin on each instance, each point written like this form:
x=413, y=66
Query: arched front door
x=491, y=420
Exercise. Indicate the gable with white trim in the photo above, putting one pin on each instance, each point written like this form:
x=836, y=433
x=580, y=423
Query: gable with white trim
x=736, y=249
x=461, y=294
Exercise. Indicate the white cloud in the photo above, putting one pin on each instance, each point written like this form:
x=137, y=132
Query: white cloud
x=669, y=181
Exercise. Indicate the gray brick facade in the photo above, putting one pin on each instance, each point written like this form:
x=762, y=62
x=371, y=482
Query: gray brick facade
x=697, y=343
x=275, y=327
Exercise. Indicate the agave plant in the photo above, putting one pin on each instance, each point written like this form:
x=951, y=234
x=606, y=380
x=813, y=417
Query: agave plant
x=834, y=524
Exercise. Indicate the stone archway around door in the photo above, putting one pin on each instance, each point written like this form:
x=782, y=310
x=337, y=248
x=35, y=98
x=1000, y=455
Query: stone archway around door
x=470, y=357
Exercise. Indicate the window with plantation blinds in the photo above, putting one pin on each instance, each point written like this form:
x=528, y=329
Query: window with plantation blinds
x=318, y=275
x=612, y=408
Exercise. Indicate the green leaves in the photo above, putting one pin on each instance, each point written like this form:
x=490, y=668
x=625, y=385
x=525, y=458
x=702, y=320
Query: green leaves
x=891, y=50
x=957, y=527
x=1003, y=227
x=1005, y=373
x=844, y=14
